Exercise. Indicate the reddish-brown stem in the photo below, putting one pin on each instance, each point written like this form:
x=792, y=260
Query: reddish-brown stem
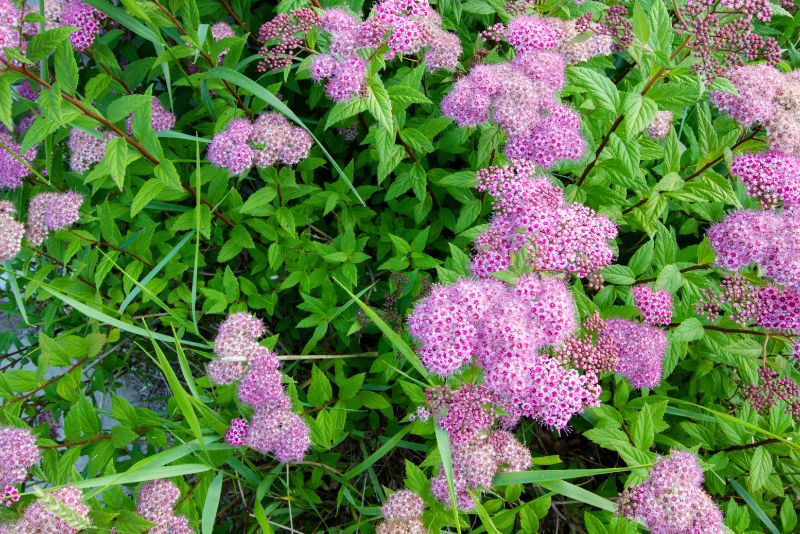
x=753, y=445
x=108, y=71
x=51, y=381
x=600, y=147
x=113, y=127
x=114, y=247
x=85, y=441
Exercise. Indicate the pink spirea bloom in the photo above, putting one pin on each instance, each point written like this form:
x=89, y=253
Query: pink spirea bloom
x=672, y=499
x=8, y=496
x=656, y=306
x=41, y=518
x=270, y=139
x=12, y=171
x=11, y=232
x=18, y=452
x=771, y=390
x=10, y=19
x=764, y=238
x=221, y=30
x=237, y=433
x=160, y=118
x=406, y=21
x=403, y=504
x=661, y=125
x=464, y=413
x=280, y=433
x=235, y=344
x=531, y=215
x=583, y=354
x=85, y=149
x=511, y=455
x=86, y=18
x=772, y=177
x=156, y=503
x=640, y=351
x=261, y=387
x=48, y=212
x=527, y=33
x=401, y=526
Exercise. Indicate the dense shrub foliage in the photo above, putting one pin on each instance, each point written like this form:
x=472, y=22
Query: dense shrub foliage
x=399, y=266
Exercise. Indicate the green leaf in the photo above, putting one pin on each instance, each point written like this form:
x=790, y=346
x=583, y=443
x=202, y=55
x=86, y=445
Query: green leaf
x=619, y=275
x=382, y=451
x=211, y=504
x=344, y=110
x=599, y=87
x=643, y=428
x=690, y=329
x=639, y=113
x=760, y=469
x=788, y=515
x=66, y=67
x=44, y=43
x=754, y=507
x=404, y=95
x=378, y=103
x=5, y=103
x=147, y=192
x=320, y=390
x=116, y=159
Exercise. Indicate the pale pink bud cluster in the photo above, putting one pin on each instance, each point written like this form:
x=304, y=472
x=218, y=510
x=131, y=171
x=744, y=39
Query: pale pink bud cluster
x=767, y=97
x=672, y=500
x=13, y=168
x=156, y=503
x=656, y=306
x=269, y=140
x=532, y=217
x=403, y=514
x=160, y=118
x=11, y=232
x=521, y=97
x=48, y=212
x=504, y=331
x=274, y=428
x=771, y=390
x=661, y=125
x=86, y=18
x=721, y=34
x=590, y=355
x=640, y=351
x=772, y=177
x=18, y=453
x=60, y=512
x=767, y=239
x=85, y=149
x=283, y=37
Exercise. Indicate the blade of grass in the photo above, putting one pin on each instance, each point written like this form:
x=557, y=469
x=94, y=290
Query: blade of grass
x=488, y=524
x=382, y=451
x=154, y=271
x=751, y=502
x=239, y=79
x=198, y=195
x=92, y=313
x=12, y=282
x=443, y=442
x=577, y=493
x=211, y=505
x=146, y=474
x=170, y=134
x=544, y=475
x=396, y=341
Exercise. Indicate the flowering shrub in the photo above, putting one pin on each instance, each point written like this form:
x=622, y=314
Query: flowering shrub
x=399, y=266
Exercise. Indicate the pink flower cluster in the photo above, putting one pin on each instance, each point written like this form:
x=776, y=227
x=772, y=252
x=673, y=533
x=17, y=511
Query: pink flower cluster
x=478, y=451
x=640, y=351
x=661, y=125
x=156, y=503
x=412, y=25
x=10, y=19
x=403, y=514
x=672, y=500
x=768, y=97
x=767, y=239
x=11, y=232
x=772, y=177
x=60, y=512
x=505, y=330
x=772, y=307
x=160, y=118
x=270, y=139
x=274, y=428
x=9, y=496
x=656, y=306
x=85, y=149
x=532, y=217
x=521, y=96
x=86, y=18
x=283, y=37
x=771, y=390
x=48, y=212
x=18, y=452
x=219, y=31
x=12, y=170
x=722, y=36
